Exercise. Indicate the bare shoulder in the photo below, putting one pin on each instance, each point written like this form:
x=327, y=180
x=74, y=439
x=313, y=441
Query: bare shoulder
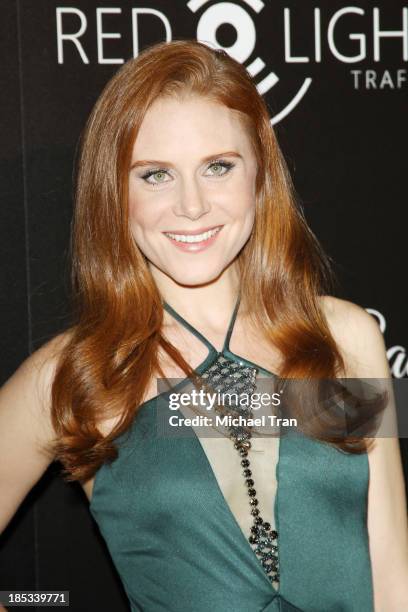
x=30, y=386
x=344, y=315
x=358, y=337
x=40, y=366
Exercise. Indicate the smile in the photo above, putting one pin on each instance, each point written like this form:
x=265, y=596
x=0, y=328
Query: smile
x=194, y=237
x=194, y=242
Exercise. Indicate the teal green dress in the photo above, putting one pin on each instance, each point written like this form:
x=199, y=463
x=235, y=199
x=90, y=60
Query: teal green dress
x=178, y=547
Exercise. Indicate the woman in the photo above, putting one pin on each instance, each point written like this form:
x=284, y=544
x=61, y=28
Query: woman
x=190, y=253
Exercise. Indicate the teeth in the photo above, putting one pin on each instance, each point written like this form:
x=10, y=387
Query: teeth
x=196, y=238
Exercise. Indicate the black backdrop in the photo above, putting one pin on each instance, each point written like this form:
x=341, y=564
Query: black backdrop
x=335, y=78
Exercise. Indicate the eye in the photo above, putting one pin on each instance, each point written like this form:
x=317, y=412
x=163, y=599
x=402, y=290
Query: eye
x=155, y=172
x=221, y=164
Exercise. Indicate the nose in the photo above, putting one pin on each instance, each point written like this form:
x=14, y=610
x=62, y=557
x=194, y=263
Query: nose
x=192, y=201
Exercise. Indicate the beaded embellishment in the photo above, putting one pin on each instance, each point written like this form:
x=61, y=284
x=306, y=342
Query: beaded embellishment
x=229, y=377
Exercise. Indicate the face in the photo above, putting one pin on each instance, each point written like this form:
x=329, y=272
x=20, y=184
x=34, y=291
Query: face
x=191, y=189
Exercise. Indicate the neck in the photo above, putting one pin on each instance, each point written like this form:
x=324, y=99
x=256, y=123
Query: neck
x=209, y=302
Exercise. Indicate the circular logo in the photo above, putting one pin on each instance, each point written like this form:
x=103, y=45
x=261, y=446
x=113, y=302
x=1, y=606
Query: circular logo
x=241, y=22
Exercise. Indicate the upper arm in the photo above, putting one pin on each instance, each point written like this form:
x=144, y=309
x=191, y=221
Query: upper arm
x=362, y=344
x=25, y=427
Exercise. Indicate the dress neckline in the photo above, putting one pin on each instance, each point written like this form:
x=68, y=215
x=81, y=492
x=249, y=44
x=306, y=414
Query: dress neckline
x=212, y=355
x=200, y=369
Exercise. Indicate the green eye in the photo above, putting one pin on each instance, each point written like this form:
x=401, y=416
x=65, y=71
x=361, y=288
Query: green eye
x=222, y=165
x=156, y=173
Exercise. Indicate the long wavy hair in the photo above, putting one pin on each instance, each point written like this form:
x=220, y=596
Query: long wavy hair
x=111, y=352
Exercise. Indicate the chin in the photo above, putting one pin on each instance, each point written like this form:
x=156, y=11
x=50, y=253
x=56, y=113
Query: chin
x=194, y=276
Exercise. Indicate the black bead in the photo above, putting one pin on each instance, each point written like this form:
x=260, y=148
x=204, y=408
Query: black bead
x=274, y=534
x=267, y=526
x=251, y=492
x=249, y=482
x=245, y=463
x=254, y=511
x=255, y=530
x=269, y=555
x=247, y=473
x=253, y=501
x=243, y=452
x=258, y=520
x=252, y=539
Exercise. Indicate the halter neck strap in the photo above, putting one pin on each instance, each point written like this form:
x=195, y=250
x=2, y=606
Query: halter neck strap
x=200, y=336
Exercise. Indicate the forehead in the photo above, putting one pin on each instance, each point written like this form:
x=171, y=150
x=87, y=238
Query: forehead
x=192, y=125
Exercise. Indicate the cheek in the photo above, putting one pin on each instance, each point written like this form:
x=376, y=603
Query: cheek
x=245, y=211
x=142, y=215
x=243, y=205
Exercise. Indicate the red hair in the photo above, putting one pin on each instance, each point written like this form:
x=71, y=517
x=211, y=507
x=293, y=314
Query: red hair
x=111, y=352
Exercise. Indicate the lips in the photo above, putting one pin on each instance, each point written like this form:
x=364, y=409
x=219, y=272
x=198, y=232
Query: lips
x=185, y=241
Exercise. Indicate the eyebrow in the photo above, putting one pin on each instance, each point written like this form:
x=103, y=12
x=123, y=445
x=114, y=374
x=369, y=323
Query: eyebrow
x=157, y=162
